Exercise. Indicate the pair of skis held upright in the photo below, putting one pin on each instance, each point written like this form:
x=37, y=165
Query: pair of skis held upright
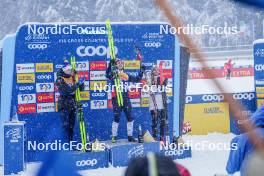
x=80, y=113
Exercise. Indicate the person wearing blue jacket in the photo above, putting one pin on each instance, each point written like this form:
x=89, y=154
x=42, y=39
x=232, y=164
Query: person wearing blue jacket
x=66, y=102
x=124, y=77
x=241, y=146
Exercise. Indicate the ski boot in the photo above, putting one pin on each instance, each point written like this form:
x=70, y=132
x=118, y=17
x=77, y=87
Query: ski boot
x=131, y=139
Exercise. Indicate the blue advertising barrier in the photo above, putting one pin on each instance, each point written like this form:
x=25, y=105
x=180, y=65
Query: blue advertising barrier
x=259, y=70
x=39, y=52
x=247, y=99
x=14, y=148
x=122, y=154
x=6, y=86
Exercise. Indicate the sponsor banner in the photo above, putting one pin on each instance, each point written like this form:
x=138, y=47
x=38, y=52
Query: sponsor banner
x=44, y=77
x=85, y=95
x=45, y=107
x=26, y=98
x=95, y=95
x=167, y=73
x=26, y=78
x=169, y=92
x=45, y=97
x=208, y=117
x=82, y=66
x=260, y=95
x=260, y=102
x=259, y=90
x=27, y=88
x=144, y=102
x=45, y=87
x=211, y=98
x=97, y=75
x=219, y=73
x=44, y=67
x=26, y=108
x=13, y=137
x=98, y=104
x=122, y=154
x=259, y=82
x=86, y=85
x=166, y=64
x=135, y=103
x=25, y=68
x=90, y=160
x=97, y=85
x=132, y=65
x=83, y=75
x=109, y=104
x=134, y=93
x=98, y=65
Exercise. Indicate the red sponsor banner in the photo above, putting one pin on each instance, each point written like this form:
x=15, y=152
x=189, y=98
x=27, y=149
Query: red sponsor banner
x=83, y=74
x=45, y=97
x=134, y=94
x=220, y=73
x=109, y=104
x=98, y=65
x=241, y=72
x=166, y=73
x=26, y=108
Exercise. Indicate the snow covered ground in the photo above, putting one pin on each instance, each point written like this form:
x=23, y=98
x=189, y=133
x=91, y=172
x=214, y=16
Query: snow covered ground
x=203, y=162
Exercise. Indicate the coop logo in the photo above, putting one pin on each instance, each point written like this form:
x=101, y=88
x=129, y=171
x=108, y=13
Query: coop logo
x=89, y=51
x=26, y=98
x=174, y=152
x=25, y=68
x=259, y=53
x=98, y=104
x=152, y=44
x=23, y=88
x=44, y=77
x=164, y=64
x=259, y=67
x=218, y=98
x=136, y=151
x=45, y=107
x=86, y=163
x=97, y=75
x=82, y=66
x=37, y=46
x=45, y=87
x=244, y=96
x=14, y=134
x=26, y=108
x=188, y=99
x=98, y=94
x=98, y=65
